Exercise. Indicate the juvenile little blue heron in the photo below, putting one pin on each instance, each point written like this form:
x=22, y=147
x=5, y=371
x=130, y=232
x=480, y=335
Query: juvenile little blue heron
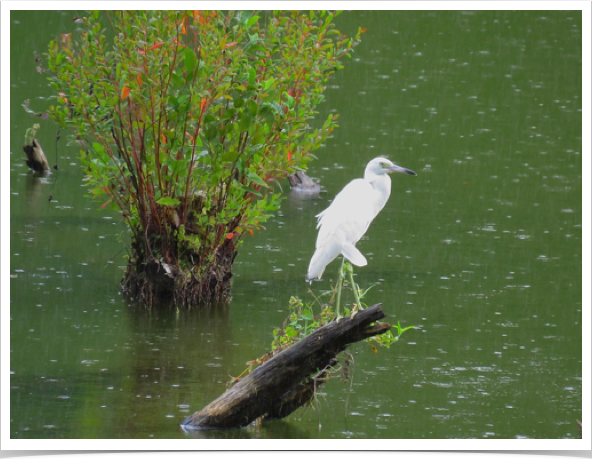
x=346, y=220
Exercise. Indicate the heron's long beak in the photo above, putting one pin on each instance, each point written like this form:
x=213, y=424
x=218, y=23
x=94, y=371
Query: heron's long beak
x=400, y=169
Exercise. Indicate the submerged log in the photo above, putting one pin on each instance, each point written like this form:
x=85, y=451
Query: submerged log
x=285, y=382
x=301, y=182
x=36, y=159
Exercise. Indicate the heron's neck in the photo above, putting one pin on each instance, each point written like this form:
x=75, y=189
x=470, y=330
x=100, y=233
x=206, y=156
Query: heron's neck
x=382, y=185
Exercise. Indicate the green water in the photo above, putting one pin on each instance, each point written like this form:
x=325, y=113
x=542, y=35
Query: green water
x=482, y=251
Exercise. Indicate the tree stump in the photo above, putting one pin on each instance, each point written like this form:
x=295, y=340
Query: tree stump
x=284, y=383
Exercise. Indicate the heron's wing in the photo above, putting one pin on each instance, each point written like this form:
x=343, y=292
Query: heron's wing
x=349, y=215
x=342, y=224
x=322, y=256
x=326, y=253
x=354, y=255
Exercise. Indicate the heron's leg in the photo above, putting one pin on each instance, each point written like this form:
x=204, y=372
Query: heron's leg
x=358, y=305
x=339, y=285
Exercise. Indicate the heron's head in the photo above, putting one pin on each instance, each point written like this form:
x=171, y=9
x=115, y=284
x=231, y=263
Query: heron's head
x=382, y=166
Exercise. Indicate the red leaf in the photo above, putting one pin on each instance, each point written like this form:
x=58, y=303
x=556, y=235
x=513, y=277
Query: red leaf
x=125, y=92
x=229, y=235
x=230, y=44
x=157, y=45
x=139, y=78
x=289, y=156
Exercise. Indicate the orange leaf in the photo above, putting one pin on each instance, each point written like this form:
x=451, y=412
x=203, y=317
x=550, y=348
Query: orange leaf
x=65, y=37
x=230, y=44
x=289, y=156
x=229, y=235
x=251, y=232
x=125, y=92
x=139, y=78
x=157, y=45
x=203, y=103
x=163, y=138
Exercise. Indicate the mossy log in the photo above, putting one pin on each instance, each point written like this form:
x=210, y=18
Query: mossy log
x=285, y=382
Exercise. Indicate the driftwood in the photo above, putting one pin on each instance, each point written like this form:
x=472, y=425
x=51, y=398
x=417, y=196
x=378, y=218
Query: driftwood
x=285, y=382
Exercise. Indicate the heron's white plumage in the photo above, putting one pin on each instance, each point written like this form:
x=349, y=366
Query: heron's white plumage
x=346, y=220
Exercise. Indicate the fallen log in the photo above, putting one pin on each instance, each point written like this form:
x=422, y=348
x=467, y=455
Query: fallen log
x=286, y=382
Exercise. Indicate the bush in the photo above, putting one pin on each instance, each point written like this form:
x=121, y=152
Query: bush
x=186, y=120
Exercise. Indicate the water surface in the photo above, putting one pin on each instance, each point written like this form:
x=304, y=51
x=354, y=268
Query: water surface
x=481, y=251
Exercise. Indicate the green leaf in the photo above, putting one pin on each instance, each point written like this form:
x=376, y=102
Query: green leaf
x=177, y=80
x=269, y=83
x=291, y=332
x=189, y=60
x=168, y=201
x=98, y=148
x=252, y=75
x=239, y=102
x=289, y=100
x=244, y=122
x=252, y=21
x=307, y=315
x=253, y=108
x=256, y=179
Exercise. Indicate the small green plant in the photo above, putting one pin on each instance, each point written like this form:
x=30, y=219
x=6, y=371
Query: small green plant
x=384, y=339
x=186, y=121
x=302, y=320
x=30, y=134
x=388, y=338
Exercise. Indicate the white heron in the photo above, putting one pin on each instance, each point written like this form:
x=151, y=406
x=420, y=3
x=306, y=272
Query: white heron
x=346, y=220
